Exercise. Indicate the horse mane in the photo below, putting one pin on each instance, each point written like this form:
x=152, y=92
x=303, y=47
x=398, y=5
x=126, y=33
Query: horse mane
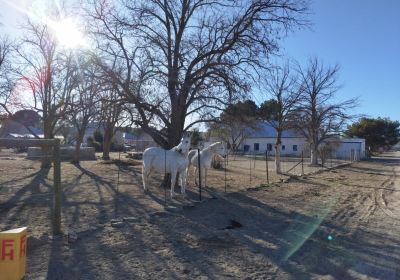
x=212, y=146
x=178, y=150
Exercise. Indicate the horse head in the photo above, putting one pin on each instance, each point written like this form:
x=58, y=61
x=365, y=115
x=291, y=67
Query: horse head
x=184, y=145
x=219, y=148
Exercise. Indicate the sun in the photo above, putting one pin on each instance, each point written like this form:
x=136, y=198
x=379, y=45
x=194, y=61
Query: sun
x=68, y=33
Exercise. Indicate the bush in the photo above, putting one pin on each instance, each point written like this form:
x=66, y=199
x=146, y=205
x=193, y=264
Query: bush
x=117, y=147
x=98, y=136
x=216, y=162
x=96, y=145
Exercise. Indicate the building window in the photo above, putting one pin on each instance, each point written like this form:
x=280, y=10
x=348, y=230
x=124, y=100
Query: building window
x=269, y=147
x=283, y=147
x=256, y=146
x=294, y=148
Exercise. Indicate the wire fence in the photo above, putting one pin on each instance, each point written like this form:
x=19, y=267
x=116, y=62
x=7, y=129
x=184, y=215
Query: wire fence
x=235, y=172
x=241, y=171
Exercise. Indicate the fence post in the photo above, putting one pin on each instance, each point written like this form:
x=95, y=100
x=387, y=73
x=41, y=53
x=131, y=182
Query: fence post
x=199, y=168
x=250, y=167
x=165, y=174
x=226, y=162
x=266, y=164
x=302, y=163
x=117, y=188
x=57, y=187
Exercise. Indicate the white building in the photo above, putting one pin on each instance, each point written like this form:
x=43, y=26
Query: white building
x=293, y=144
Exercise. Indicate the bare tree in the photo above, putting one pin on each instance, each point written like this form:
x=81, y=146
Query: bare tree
x=7, y=82
x=111, y=109
x=278, y=111
x=183, y=60
x=48, y=73
x=319, y=116
x=83, y=104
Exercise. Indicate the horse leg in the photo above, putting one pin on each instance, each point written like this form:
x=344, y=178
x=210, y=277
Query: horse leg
x=173, y=180
x=195, y=175
x=144, y=177
x=205, y=177
x=179, y=178
x=183, y=182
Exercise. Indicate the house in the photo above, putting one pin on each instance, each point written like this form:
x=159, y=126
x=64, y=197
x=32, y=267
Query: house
x=264, y=137
x=12, y=129
x=138, y=140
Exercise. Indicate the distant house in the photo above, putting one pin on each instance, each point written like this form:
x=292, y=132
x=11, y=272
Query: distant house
x=71, y=133
x=13, y=129
x=138, y=140
x=264, y=137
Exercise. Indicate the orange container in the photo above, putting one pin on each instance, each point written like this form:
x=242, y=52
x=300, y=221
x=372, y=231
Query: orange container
x=13, y=254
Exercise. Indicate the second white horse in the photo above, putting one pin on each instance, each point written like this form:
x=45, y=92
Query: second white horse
x=206, y=156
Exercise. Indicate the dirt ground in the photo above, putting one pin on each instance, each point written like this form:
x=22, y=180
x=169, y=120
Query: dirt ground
x=338, y=224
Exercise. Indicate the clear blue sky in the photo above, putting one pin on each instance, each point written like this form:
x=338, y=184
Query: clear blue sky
x=363, y=36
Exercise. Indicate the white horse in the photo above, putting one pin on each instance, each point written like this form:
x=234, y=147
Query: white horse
x=167, y=161
x=206, y=156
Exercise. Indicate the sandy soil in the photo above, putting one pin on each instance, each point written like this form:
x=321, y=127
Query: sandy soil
x=338, y=224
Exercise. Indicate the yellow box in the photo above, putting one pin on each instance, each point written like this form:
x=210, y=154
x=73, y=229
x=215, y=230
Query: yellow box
x=13, y=254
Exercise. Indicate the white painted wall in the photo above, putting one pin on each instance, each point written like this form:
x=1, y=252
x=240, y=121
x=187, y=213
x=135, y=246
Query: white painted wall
x=287, y=142
x=353, y=148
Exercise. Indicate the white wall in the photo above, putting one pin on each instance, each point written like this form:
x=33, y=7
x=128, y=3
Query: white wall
x=287, y=142
x=351, y=148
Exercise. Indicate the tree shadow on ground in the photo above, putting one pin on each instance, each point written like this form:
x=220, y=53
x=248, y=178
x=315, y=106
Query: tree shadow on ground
x=274, y=241
x=31, y=195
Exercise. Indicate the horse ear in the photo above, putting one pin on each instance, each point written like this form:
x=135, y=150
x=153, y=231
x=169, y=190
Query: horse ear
x=187, y=134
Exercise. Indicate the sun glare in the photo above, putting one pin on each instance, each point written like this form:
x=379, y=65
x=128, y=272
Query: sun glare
x=68, y=33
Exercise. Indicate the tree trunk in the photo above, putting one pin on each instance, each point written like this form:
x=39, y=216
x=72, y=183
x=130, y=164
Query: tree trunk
x=278, y=152
x=314, y=154
x=46, y=151
x=107, y=143
x=278, y=158
x=78, y=144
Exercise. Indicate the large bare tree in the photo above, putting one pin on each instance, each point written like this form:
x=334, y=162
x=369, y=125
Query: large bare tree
x=320, y=115
x=279, y=110
x=49, y=72
x=182, y=60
